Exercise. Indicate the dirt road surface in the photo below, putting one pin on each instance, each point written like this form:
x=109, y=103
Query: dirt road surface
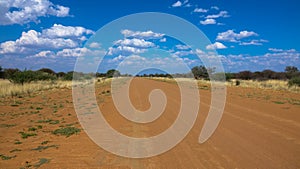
x=259, y=129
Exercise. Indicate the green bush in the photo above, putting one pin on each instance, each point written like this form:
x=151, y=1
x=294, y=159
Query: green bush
x=67, y=131
x=295, y=81
x=28, y=76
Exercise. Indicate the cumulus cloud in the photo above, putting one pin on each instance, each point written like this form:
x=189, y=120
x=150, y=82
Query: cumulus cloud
x=208, y=22
x=61, y=31
x=222, y=14
x=254, y=42
x=138, y=43
x=33, y=42
x=68, y=52
x=281, y=50
x=216, y=45
x=231, y=36
x=141, y=35
x=200, y=10
x=177, y=4
x=22, y=12
x=163, y=40
x=183, y=47
x=215, y=8
x=94, y=45
x=124, y=50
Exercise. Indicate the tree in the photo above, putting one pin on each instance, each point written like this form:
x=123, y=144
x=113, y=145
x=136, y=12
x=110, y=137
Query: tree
x=245, y=75
x=1, y=73
x=47, y=70
x=9, y=72
x=112, y=73
x=200, y=72
x=291, y=71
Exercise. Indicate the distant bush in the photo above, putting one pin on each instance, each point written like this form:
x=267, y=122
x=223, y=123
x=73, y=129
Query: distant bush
x=295, y=81
x=28, y=76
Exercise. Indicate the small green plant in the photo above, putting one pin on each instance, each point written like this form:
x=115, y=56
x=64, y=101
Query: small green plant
x=50, y=121
x=14, y=150
x=44, y=142
x=39, y=108
x=67, y=131
x=4, y=157
x=26, y=135
x=41, y=148
x=32, y=129
x=18, y=142
x=41, y=162
x=278, y=102
x=39, y=126
x=7, y=125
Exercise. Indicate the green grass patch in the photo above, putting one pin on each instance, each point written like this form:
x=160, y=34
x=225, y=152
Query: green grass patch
x=15, y=150
x=278, y=102
x=44, y=142
x=50, y=121
x=41, y=148
x=18, y=142
x=7, y=125
x=41, y=162
x=39, y=108
x=26, y=135
x=32, y=129
x=4, y=157
x=67, y=131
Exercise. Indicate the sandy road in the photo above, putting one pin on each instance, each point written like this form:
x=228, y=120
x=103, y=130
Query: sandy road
x=253, y=133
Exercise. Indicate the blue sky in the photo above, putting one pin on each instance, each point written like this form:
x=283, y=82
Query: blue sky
x=247, y=35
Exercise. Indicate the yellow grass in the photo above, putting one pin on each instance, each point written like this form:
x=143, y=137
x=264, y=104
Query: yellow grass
x=9, y=89
x=268, y=84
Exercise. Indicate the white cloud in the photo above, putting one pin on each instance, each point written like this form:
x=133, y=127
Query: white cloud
x=60, y=31
x=215, y=8
x=94, y=45
x=142, y=35
x=254, y=42
x=182, y=53
x=208, y=22
x=45, y=54
x=200, y=10
x=163, y=40
x=183, y=47
x=29, y=11
x=125, y=50
x=76, y=52
x=177, y=4
x=137, y=43
x=222, y=14
x=281, y=50
x=32, y=42
x=68, y=52
x=216, y=45
x=231, y=36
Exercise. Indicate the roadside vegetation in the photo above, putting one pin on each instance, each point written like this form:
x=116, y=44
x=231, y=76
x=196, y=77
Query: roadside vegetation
x=14, y=82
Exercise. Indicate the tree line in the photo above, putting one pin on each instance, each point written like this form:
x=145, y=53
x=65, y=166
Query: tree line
x=291, y=73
